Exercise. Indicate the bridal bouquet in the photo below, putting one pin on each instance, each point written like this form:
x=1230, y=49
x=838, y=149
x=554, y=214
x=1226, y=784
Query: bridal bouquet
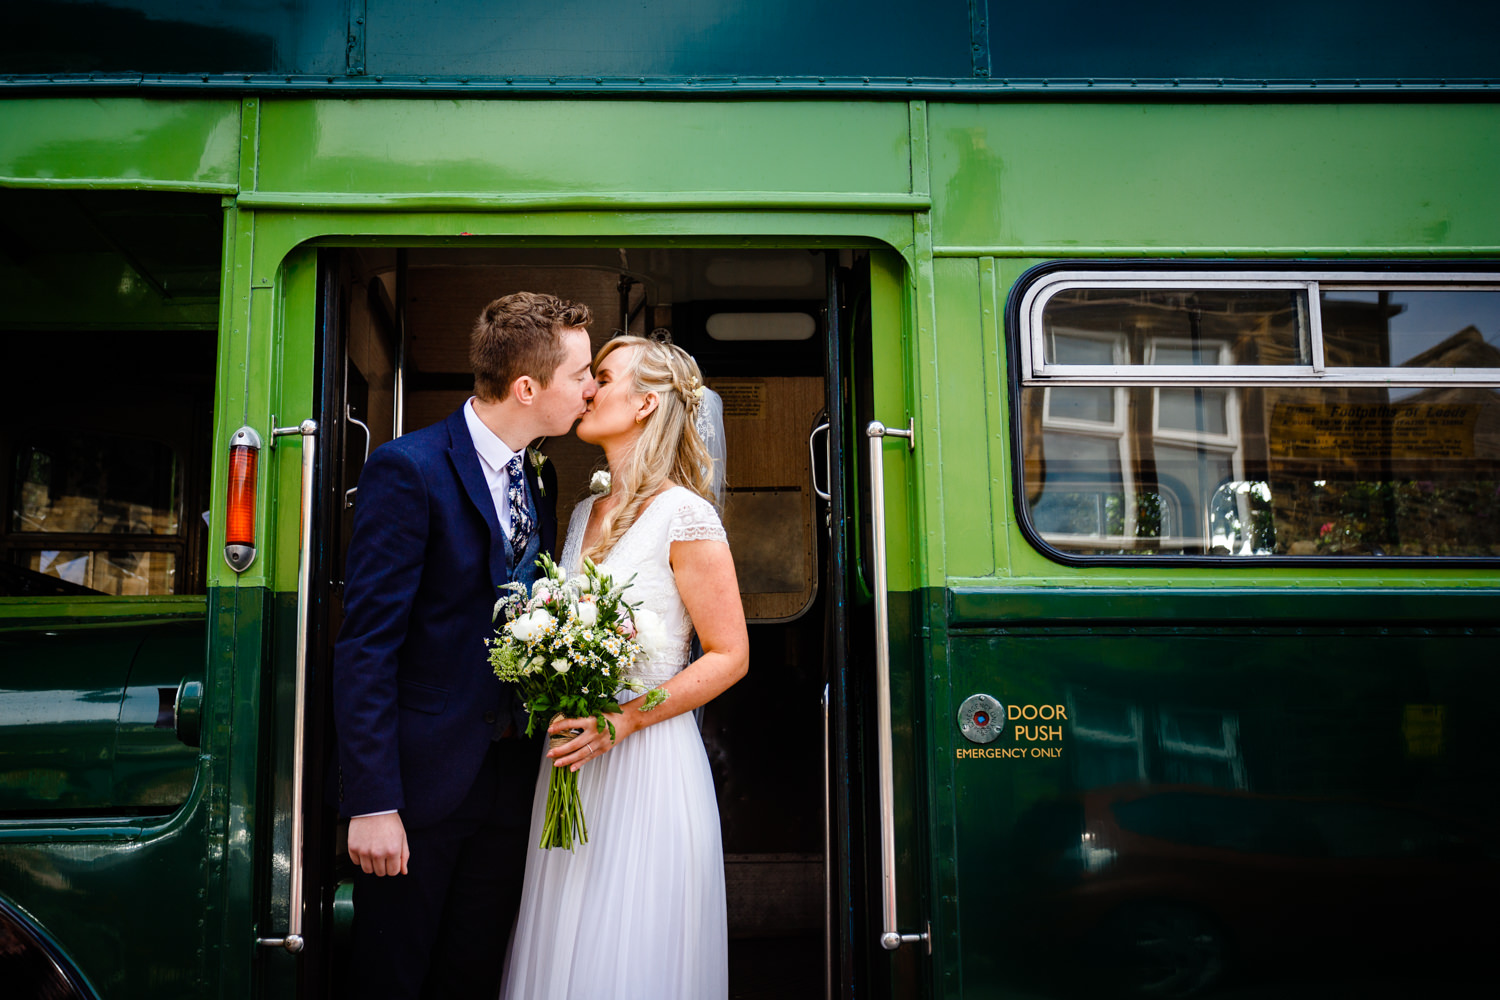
x=568, y=645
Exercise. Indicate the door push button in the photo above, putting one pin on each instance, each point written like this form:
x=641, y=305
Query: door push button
x=980, y=718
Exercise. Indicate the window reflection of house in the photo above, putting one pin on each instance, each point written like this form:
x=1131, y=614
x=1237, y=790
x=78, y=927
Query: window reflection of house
x=1195, y=437
x=1238, y=419
x=1116, y=741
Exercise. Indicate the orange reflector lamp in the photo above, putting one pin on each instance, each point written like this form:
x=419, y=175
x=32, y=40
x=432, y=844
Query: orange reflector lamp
x=239, y=526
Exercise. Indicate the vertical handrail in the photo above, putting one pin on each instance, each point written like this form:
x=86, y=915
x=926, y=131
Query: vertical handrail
x=890, y=938
x=827, y=855
x=293, y=941
x=398, y=378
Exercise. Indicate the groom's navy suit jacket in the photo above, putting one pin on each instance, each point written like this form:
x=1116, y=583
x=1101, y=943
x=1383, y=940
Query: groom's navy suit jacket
x=415, y=702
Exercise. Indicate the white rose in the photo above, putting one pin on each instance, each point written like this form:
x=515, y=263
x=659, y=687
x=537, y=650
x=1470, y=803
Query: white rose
x=531, y=627
x=650, y=632
x=560, y=665
x=599, y=482
x=588, y=613
x=580, y=583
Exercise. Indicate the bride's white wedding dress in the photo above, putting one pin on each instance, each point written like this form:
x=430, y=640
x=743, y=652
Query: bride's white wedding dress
x=638, y=911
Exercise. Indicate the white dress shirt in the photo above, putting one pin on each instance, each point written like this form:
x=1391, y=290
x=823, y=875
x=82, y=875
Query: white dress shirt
x=494, y=455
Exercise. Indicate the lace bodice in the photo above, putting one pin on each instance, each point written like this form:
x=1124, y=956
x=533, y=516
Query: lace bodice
x=678, y=515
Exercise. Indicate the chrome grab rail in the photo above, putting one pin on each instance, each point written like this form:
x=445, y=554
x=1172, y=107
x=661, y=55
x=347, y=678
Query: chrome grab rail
x=293, y=940
x=812, y=459
x=890, y=938
x=827, y=854
x=349, y=416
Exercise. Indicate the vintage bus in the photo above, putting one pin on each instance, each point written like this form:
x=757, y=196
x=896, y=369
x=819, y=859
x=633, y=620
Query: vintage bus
x=1112, y=396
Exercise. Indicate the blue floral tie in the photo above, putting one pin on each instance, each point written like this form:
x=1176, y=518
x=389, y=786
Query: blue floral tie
x=521, y=522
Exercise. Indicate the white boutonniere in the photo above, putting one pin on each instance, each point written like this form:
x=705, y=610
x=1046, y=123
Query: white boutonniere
x=537, y=460
x=599, y=483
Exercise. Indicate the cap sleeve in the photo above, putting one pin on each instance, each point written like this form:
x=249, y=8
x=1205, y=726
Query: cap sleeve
x=695, y=520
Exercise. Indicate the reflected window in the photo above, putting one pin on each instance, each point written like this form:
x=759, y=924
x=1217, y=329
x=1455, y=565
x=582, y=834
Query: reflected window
x=1201, y=747
x=1109, y=735
x=1404, y=328
x=1197, y=327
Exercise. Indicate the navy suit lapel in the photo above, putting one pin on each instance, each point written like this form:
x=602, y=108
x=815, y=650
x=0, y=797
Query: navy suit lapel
x=466, y=463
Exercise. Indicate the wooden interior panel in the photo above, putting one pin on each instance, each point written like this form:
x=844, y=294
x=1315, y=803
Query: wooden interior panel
x=769, y=509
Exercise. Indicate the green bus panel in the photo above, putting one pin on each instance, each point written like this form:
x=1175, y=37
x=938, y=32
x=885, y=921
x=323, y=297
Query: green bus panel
x=120, y=142
x=1228, y=180
x=678, y=152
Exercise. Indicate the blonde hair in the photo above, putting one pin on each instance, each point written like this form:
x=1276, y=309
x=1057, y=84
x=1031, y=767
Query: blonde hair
x=669, y=447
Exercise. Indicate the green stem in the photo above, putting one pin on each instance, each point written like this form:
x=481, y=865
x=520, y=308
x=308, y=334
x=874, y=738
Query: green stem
x=563, y=820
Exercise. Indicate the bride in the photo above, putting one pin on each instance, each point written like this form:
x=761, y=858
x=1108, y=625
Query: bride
x=638, y=911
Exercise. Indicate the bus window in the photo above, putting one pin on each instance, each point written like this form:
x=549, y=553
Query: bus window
x=105, y=466
x=1274, y=414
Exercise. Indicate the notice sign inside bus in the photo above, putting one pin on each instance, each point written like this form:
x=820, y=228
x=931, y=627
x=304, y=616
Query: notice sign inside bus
x=1373, y=431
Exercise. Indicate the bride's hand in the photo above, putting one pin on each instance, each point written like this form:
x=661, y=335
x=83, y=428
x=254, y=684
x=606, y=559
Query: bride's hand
x=591, y=743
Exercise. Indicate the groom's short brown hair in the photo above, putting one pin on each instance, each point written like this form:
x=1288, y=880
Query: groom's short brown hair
x=521, y=334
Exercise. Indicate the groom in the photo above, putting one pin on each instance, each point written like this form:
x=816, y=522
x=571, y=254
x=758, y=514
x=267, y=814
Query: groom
x=434, y=771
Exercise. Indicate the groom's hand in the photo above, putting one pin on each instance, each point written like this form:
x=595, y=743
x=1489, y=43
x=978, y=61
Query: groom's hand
x=378, y=844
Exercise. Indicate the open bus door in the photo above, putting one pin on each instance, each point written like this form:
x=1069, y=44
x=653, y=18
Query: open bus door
x=801, y=834
x=876, y=684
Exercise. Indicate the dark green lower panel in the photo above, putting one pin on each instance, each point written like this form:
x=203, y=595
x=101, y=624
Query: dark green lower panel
x=1288, y=810
x=104, y=809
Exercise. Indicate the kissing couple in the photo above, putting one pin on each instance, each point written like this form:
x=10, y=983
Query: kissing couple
x=443, y=791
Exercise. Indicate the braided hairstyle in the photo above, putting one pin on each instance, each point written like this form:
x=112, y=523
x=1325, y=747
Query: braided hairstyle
x=669, y=447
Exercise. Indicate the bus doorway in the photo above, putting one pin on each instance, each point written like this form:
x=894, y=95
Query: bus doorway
x=767, y=328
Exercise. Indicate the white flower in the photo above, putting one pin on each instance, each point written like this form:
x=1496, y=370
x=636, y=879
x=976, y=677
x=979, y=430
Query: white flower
x=581, y=583
x=537, y=461
x=541, y=590
x=531, y=627
x=560, y=665
x=651, y=632
x=599, y=482
x=588, y=613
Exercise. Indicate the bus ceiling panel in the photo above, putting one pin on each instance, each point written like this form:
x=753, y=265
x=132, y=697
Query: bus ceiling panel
x=782, y=45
